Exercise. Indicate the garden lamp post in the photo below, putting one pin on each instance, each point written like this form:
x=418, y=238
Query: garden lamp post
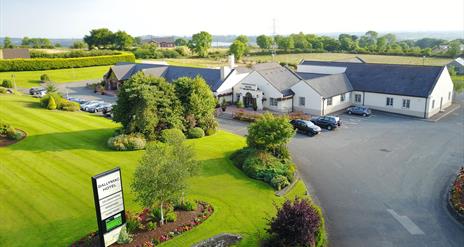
x=13, y=77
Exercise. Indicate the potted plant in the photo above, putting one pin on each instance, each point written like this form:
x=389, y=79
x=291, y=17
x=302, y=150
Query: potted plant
x=224, y=105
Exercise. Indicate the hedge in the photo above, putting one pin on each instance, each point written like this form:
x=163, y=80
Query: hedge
x=62, y=63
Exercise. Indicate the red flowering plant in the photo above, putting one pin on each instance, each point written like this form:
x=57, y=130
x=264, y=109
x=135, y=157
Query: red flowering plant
x=457, y=192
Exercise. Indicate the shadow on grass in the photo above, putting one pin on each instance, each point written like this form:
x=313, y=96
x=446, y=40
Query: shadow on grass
x=87, y=140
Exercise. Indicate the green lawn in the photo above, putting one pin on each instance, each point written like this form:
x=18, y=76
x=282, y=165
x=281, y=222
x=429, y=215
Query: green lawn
x=27, y=79
x=45, y=186
x=296, y=58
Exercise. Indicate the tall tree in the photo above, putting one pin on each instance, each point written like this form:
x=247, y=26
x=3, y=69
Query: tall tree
x=122, y=40
x=264, y=42
x=181, y=42
x=7, y=43
x=454, y=48
x=198, y=102
x=200, y=43
x=238, y=48
x=243, y=38
x=161, y=174
x=99, y=38
x=147, y=105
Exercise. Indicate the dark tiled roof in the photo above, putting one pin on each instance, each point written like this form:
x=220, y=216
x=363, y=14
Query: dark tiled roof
x=408, y=80
x=124, y=71
x=307, y=76
x=330, y=85
x=280, y=77
x=12, y=53
x=351, y=60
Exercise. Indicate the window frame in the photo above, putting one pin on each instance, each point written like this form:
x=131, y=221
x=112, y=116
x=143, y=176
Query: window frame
x=433, y=104
x=272, y=101
x=329, y=101
x=342, y=97
x=300, y=100
x=389, y=102
x=357, y=98
x=406, y=103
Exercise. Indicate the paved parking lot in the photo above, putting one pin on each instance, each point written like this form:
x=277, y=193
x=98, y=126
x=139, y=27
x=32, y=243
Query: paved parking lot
x=79, y=90
x=381, y=179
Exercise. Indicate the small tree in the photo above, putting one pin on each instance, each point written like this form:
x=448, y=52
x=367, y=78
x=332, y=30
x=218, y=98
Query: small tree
x=51, y=103
x=296, y=224
x=44, y=78
x=79, y=45
x=7, y=83
x=161, y=174
x=238, y=48
x=51, y=87
x=270, y=133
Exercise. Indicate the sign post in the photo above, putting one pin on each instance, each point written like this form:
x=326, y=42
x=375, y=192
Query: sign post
x=109, y=204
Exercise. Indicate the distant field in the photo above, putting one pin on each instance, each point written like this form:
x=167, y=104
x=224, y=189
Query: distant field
x=191, y=62
x=296, y=58
x=27, y=79
x=458, y=81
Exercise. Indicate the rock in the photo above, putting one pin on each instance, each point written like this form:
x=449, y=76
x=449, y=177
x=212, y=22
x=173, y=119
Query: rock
x=221, y=240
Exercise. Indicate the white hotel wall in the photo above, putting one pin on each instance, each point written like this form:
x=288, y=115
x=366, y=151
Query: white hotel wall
x=337, y=104
x=313, y=101
x=443, y=89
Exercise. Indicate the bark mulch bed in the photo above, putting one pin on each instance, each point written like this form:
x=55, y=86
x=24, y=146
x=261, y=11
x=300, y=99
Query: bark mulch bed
x=4, y=141
x=186, y=220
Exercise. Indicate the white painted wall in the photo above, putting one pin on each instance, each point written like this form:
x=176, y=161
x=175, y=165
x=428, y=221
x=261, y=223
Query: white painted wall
x=313, y=101
x=378, y=101
x=337, y=104
x=442, y=89
x=230, y=82
x=266, y=88
x=320, y=69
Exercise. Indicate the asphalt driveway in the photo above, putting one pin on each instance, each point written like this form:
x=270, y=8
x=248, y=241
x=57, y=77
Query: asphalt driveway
x=79, y=90
x=381, y=179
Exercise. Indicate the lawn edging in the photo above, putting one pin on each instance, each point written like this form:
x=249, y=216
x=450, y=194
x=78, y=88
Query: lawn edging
x=449, y=205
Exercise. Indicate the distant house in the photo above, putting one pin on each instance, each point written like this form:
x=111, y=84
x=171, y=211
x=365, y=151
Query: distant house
x=14, y=53
x=164, y=42
x=458, y=65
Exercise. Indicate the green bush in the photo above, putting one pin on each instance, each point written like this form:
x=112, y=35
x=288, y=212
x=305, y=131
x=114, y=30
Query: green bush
x=132, y=222
x=62, y=63
x=264, y=166
x=124, y=236
x=67, y=105
x=209, y=125
x=187, y=205
x=4, y=127
x=170, y=217
x=56, y=96
x=2, y=90
x=7, y=83
x=135, y=141
x=13, y=134
x=73, y=54
x=196, y=133
x=210, y=132
x=183, y=50
x=151, y=226
x=172, y=136
x=44, y=78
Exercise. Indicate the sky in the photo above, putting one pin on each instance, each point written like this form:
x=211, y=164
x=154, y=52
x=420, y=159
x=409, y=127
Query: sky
x=74, y=19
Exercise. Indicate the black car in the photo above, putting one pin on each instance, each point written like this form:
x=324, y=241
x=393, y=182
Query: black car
x=35, y=90
x=306, y=127
x=328, y=122
x=359, y=110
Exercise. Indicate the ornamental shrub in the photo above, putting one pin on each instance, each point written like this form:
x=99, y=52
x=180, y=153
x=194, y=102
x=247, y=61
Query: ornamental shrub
x=56, y=96
x=13, y=134
x=51, y=103
x=123, y=142
x=196, y=132
x=170, y=217
x=297, y=223
x=67, y=105
x=279, y=182
x=2, y=90
x=7, y=83
x=172, y=136
x=132, y=222
x=239, y=157
x=187, y=205
x=44, y=78
x=4, y=127
x=32, y=64
x=124, y=236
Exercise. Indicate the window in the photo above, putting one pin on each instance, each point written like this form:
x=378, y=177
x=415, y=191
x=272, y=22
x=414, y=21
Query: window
x=329, y=101
x=342, y=97
x=273, y=101
x=357, y=98
x=237, y=97
x=406, y=103
x=449, y=96
x=389, y=101
x=302, y=101
x=433, y=104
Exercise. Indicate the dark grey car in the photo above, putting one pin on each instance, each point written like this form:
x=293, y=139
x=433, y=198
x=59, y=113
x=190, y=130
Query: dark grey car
x=359, y=110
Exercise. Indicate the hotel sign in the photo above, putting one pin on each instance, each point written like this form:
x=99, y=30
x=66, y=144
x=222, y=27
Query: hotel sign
x=249, y=87
x=109, y=204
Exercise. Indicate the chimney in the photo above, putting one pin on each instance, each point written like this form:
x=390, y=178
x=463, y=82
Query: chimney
x=225, y=70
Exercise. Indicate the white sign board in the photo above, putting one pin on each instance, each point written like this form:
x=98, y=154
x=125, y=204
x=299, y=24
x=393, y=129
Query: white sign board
x=109, y=203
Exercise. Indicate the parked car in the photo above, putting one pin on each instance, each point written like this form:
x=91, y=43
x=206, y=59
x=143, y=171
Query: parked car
x=89, y=103
x=359, y=110
x=328, y=122
x=39, y=93
x=78, y=100
x=35, y=90
x=93, y=107
x=306, y=127
x=105, y=107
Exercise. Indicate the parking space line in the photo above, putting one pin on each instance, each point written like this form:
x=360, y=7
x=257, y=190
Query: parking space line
x=407, y=223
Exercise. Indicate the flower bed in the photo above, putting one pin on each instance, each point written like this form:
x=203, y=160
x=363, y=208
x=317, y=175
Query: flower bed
x=457, y=193
x=248, y=116
x=143, y=237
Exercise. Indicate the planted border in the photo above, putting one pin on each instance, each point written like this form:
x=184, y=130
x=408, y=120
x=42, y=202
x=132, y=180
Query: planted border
x=62, y=63
x=456, y=197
